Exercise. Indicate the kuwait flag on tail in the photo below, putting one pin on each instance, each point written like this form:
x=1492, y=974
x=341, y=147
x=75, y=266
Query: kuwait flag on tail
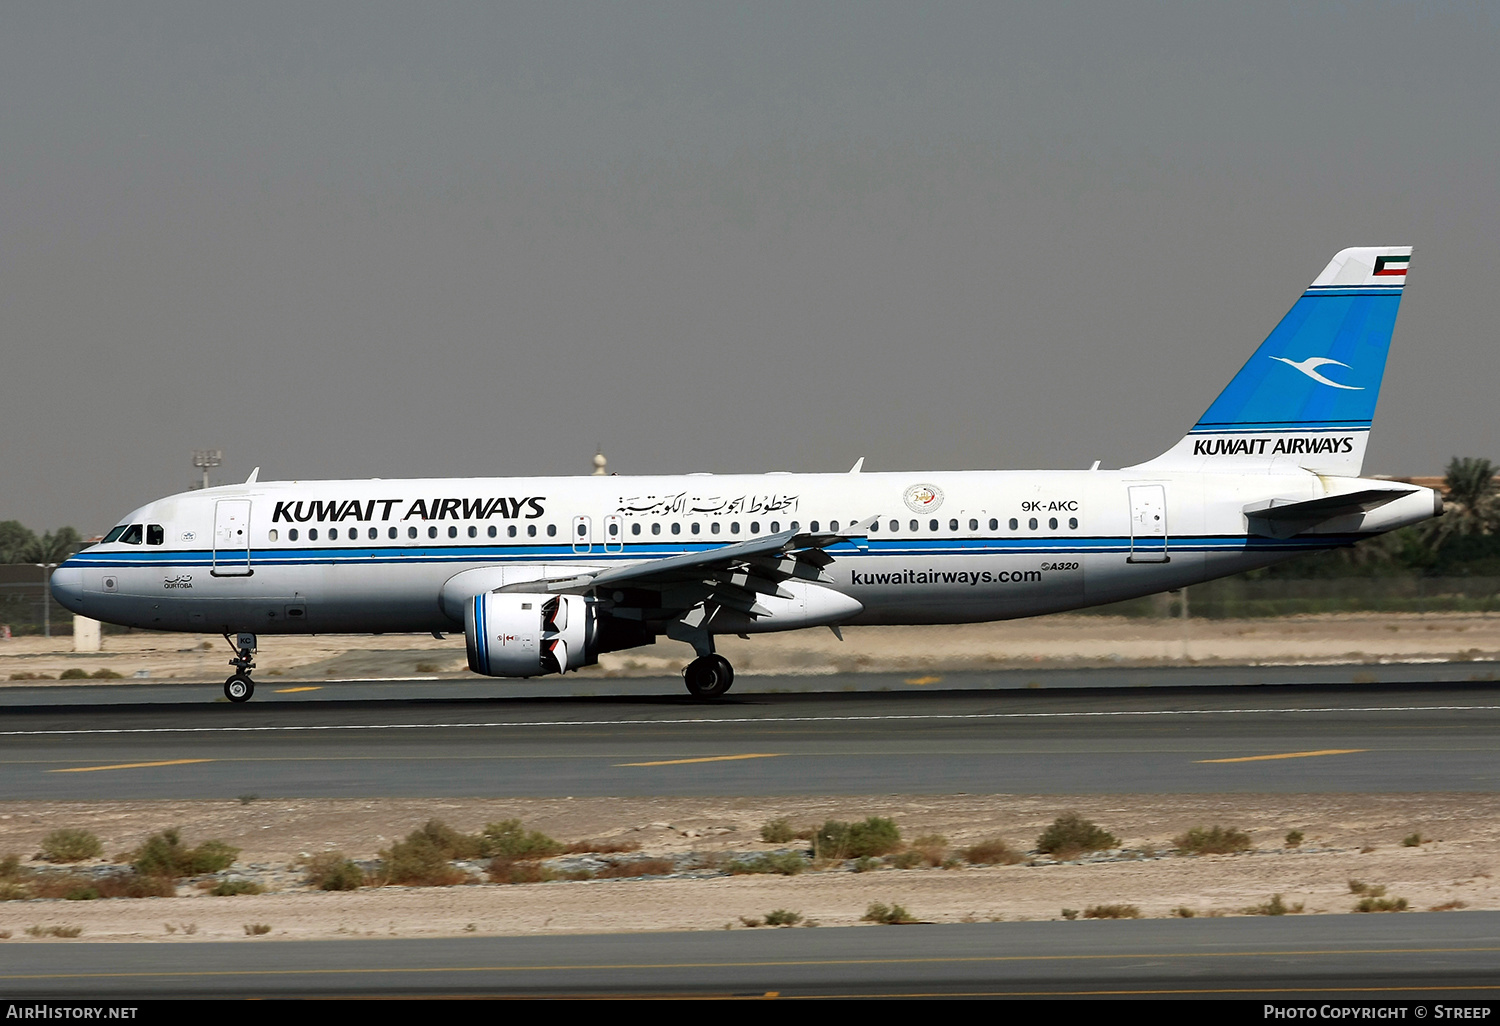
x=1391, y=265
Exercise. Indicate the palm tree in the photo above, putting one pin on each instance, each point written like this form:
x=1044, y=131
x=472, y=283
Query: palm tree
x=1470, y=505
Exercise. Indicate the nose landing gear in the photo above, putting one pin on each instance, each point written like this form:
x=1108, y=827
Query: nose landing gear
x=239, y=687
x=708, y=676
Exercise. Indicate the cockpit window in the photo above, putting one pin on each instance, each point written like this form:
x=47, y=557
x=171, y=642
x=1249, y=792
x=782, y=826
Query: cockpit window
x=155, y=535
x=114, y=535
x=132, y=535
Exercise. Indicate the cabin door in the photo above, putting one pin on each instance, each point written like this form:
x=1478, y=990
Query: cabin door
x=1148, y=524
x=232, y=538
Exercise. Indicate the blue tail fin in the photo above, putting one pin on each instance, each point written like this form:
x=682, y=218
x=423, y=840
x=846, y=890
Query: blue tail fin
x=1306, y=398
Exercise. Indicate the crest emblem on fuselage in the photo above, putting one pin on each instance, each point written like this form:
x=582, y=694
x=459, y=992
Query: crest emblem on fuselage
x=923, y=498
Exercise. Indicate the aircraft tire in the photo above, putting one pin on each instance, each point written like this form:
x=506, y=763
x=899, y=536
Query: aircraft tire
x=708, y=677
x=239, y=688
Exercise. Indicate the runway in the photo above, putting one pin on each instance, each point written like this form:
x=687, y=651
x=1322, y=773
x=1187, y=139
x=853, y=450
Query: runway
x=1213, y=738
x=1442, y=955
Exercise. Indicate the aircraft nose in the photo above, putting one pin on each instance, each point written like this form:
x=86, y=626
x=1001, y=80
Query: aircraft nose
x=67, y=588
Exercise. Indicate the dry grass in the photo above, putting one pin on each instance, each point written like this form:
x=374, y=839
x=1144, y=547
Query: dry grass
x=636, y=867
x=1112, y=912
x=991, y=852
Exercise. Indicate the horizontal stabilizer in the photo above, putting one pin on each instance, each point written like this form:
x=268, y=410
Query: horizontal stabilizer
x=1282, y=518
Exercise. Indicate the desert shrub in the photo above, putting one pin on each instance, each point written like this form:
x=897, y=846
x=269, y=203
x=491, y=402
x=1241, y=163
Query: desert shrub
x=514, y=871
x=70, y=846
x=506, y=839
x=1372, y=903
x=1372, y=890
x=1214, y=841
x=257, y=929
x=1293, y=838
x=74, y=673
x=929, y=850
x=636, y=867
x=1274, y=907
x=875, y=835
x=993, y=852
x=331, y=871
x=777, y=831
x=11, y=868
x=786, y=864
x=29, y=675
x=226, y=888
x=783, y=917
x=1411, y=841
x=106, y=673
x=165, y=855
x=901, y=860
x=1112, y=912
x=887, y=915
x=54, y=931
x=419, y=861
x=1070, y=914
x=1070, y=834
x=450, y=842
x=906, y=860
x=1183, y=912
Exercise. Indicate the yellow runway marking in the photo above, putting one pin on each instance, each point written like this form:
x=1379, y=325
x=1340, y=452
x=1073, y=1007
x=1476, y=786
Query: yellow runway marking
x=1290, y=755
x=710, y=758
x=919, y=681
x=290, y=691
x=129, y=765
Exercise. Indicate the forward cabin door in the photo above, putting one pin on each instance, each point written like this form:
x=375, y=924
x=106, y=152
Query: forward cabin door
x=1148, y=524
x=232, y=538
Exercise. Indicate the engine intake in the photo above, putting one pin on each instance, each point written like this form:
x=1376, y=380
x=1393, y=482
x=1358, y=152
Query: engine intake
x=513, y=634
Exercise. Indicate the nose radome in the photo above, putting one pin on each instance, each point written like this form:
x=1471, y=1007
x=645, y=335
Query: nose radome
x=67, y=588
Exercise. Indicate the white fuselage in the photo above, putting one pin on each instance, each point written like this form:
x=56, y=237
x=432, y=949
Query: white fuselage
x=375, y=556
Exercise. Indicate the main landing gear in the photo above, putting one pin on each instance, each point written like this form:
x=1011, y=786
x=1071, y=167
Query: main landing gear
x=708, y=676
x=239, y=688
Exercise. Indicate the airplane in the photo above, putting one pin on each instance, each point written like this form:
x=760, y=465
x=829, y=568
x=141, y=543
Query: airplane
x=545, y=574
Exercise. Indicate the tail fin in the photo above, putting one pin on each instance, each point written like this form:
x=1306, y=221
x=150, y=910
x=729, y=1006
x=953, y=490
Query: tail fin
x=1306, y=398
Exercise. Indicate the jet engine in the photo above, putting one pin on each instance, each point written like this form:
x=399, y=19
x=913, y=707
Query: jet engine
x=512, y=634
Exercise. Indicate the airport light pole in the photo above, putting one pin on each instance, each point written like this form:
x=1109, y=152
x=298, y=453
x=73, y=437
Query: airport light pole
x=207, y=459
x=47, y=569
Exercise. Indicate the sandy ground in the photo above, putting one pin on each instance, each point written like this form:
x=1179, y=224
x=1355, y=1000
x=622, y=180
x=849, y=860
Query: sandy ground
x=1066, y=640
x=1347, y=837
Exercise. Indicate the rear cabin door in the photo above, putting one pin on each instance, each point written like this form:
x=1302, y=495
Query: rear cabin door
x=232, y=538
x=1148, y=524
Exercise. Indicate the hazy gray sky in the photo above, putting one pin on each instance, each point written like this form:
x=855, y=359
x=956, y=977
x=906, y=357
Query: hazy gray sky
x=363, y=239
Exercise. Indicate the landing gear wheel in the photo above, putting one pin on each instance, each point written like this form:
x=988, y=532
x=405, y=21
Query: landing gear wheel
x=239, y=688
x=708, y=677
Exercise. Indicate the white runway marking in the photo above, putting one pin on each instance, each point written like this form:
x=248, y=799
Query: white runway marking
x=742, y=720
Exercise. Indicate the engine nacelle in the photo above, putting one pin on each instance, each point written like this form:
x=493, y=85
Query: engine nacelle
x=514, y=634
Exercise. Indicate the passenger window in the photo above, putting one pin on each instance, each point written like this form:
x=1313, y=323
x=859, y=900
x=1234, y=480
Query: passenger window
x=775, y=527
x=452, y=531
x=635, y=528
x=792, y=526
x=531, y=530
x=994, y=524
x=473, y=532
x=833, y=525
x=292, y=534
x=551, y=530
x=411, y=532
x=491, y=531
x=1032, y=523
x=272, y=534
x=714, y=527
x=734, y=528
x=582, y=530
x=1014, y=523
x=895, y=525
x=973, y=525
x=614, y=530
x=953, y=525
x=676, y=528
x=1072, y=523
x=510, y=531
x=656, y=528
x=1052, y=524
x=391, y=533
x=155, y=535
x=333, y=534
x=697, y=527
x=812, y=525
x=874, y=526
x=932, y=525
x=132, y=535
x=312, y=534
x=432, y=531
x=755, y=527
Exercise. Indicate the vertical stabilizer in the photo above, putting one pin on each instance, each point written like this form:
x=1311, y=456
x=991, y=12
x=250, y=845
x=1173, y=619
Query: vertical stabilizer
x=1306, y=398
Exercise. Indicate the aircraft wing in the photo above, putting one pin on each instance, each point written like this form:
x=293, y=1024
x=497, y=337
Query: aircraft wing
x=730, y=575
